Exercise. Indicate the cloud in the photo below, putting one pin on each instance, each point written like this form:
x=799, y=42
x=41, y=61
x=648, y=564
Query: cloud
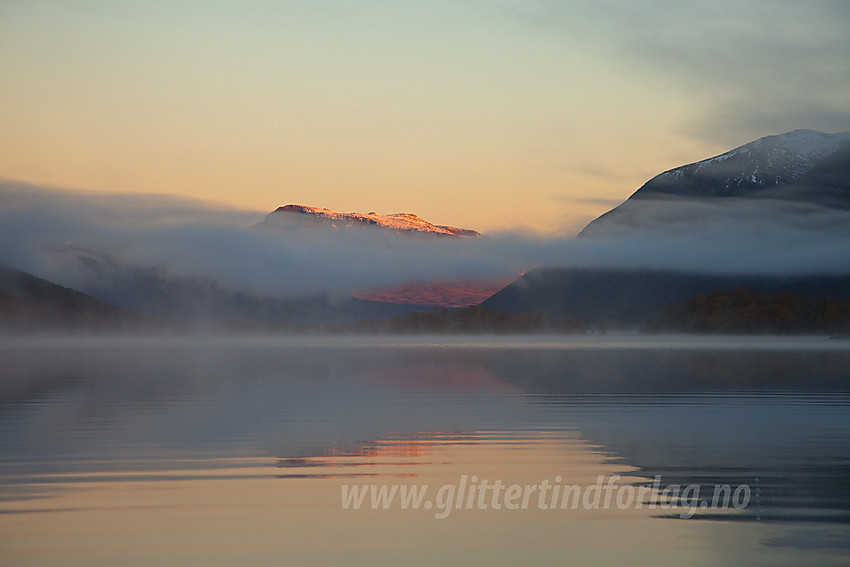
x=754, y=68
x=776, y=114
x=62, y=235
x=71, y=237
x=729, y=235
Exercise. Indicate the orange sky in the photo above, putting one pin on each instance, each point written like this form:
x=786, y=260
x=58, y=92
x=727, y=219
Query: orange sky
x=489, y=116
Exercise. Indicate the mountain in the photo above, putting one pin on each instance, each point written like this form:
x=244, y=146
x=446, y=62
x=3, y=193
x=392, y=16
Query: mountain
x=29, y=303
x=404, y=223
x=788, y=188
x=437, y=293
x=203, y=303
x=199, y=302
x=799, y=166
x=423, y=294
x=626, y=298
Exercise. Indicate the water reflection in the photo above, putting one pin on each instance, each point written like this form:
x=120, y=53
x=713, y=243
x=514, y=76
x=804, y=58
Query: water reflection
x=97, y=427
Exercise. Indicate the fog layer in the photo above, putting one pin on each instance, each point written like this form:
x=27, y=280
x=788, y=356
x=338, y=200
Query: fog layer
x=70, y=237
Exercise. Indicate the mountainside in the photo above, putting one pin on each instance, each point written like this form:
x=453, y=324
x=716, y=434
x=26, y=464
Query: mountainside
x=437, y=293
x=803, y=166
x=752, y=204
x=423, y=294
x=628, y=298
x=205, y=303
x=29, y=303
x=744, y=171
x=405, y=223
x=748, y=311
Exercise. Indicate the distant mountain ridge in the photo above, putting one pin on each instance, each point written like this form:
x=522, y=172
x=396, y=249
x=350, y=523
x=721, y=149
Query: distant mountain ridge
x=802, y=177
x=399, y=222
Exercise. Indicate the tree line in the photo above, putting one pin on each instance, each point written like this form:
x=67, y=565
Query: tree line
x=749, y=311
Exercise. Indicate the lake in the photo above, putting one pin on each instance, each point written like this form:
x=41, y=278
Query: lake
x=595, y=450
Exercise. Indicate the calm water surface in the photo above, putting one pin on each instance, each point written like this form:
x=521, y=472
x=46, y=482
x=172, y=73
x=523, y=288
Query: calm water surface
x=222, y=451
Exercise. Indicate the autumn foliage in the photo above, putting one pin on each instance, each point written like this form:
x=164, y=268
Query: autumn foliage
x=750, y=311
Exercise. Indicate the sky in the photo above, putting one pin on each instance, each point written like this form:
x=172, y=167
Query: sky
x=496, y=115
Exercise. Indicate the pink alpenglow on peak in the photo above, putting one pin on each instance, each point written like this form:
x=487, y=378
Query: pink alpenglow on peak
x=400, y=222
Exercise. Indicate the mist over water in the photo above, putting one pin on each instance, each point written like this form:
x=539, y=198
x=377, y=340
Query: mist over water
x=268, y=428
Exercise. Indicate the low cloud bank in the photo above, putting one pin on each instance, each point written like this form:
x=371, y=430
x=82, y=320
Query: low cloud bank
x=70, y=237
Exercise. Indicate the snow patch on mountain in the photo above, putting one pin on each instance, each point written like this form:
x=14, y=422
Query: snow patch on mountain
x=772, y=160
x=798, y=168
x=400, y=222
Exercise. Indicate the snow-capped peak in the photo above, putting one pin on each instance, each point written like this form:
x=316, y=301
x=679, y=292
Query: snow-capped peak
x=766, y=162
x=804, y=145
x=798, y=166
x=400, y=222
x=809, y=143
